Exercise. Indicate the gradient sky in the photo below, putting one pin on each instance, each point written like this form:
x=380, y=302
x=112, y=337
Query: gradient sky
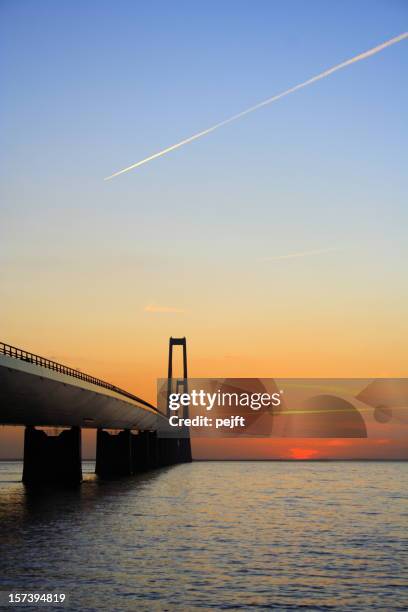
x=89, y=268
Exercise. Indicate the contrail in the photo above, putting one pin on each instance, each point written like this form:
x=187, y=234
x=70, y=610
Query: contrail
x=318, y=77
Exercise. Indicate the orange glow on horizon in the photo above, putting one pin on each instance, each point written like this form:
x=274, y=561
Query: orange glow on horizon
x=303, y=453
x=275, y=449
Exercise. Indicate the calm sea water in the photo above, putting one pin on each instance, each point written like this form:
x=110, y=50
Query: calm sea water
x=222, y=535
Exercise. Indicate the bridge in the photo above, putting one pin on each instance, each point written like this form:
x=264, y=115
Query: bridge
x=38, y=392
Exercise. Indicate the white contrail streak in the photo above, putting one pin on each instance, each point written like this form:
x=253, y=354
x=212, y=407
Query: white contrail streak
x=318, y=77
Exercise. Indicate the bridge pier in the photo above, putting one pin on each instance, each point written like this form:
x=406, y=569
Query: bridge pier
x=126, y=453
x=153, y=450
x=143, y=451
x=113, y=454
x=163, y=451
x=52, y=459
x=172, y=451
x=185, y=450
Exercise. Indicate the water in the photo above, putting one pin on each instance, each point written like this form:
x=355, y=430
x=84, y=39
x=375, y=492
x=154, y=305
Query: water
x=221, y=535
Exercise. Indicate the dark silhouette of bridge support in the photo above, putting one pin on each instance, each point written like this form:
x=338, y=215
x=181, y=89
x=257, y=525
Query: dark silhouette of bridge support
x=168, y=451
x=145, y=451
x=52, y=459
x=141, y=451
x=185, y=450
x=154, y=448
x=174, y=450
x=182, y=448
x=126, y=453
x=113, y=454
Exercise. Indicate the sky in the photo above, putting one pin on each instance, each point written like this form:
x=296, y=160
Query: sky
x=276, y=245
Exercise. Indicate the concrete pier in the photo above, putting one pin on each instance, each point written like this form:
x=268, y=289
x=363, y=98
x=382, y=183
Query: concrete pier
x=128, y=453
x=52, y=459
x=113, y=454
x=140, y=452
x=154, y=456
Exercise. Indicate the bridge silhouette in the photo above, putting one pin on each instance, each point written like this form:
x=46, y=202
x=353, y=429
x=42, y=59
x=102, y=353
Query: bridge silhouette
x=37, y=392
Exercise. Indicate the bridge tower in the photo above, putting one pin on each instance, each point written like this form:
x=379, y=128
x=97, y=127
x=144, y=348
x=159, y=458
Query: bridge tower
x=126, y=453
x=183, y=443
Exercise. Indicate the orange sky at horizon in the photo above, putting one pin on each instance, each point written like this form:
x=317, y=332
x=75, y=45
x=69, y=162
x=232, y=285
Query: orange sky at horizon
x=11, y=447
x=302, y=449
x=210, y=355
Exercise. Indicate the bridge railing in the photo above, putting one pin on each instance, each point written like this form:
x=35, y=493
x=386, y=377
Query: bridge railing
x=17, y=353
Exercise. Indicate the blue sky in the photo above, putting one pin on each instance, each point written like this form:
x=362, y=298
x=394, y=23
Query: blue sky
x=91, y=87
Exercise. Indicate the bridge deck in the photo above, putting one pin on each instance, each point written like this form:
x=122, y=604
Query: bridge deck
x=37, y=391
